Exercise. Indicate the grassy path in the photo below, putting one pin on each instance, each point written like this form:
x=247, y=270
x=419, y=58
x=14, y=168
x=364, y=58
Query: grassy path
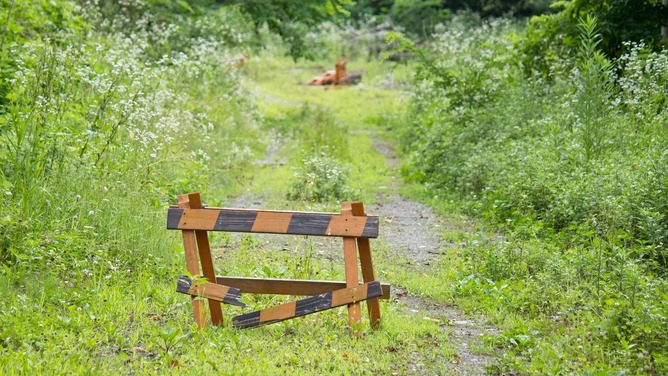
x=135, y=323
x=435, y=337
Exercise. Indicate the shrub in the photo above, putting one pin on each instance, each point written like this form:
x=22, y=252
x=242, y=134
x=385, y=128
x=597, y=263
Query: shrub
x=573, y=168
x=321, y=178
x=96, y=138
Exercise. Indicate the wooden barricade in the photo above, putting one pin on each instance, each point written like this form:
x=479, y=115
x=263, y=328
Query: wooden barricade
x=352, y=225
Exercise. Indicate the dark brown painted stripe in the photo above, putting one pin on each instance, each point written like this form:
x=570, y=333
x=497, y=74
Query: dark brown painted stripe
x=309, y=223
x=249, y=320
x=263, y=221
x=183, y=284
x=370, y=228
x=174, y=217
x=235, y=220
x=307, y=306
x=314, y=304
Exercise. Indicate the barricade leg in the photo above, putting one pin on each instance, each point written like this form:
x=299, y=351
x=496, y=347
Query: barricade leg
x=201, y=239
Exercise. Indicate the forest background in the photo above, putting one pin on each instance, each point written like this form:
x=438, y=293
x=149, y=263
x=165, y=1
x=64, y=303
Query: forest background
x=542, y=120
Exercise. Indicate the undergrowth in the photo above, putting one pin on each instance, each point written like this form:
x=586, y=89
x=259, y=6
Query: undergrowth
x=102, y=126
x=572, y=169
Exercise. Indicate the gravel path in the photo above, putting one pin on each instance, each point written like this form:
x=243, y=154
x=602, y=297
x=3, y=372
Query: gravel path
x=413, y=232
x=411, y=229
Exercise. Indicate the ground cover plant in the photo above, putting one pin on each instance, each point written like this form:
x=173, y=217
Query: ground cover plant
x=101, y=129
x=572, y=168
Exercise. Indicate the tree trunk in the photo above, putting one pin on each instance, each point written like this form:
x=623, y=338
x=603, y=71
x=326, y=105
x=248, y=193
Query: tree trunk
x=664, y=27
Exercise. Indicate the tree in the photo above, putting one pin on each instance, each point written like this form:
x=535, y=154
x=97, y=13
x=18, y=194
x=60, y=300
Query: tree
x=292, y=19
x=619, y=21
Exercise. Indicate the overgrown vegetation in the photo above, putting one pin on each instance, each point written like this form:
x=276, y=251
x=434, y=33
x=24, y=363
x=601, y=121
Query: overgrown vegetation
x=322, y=175
x=103, y=123
x=572, y=168
x=553, y=134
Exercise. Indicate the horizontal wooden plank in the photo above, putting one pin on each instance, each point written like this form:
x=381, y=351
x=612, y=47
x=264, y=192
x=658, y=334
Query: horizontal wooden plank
x=308, y=306
x=274, y=222
x=221, y=293
x=250, y=285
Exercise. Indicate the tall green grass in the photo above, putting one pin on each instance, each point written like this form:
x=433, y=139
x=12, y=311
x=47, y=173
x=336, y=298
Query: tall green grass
x=573, y=169
x=97, y=136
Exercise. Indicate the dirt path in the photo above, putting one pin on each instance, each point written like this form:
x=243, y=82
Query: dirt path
x=412, y=232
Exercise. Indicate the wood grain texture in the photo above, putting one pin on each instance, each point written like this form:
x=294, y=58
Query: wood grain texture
x=274, y=222
x=308, y=306
x=220, y=293
x=250, y=285
x=352, y=225
x=352, y=274
x=366, y=262
x=194, y=201
x=192, y=264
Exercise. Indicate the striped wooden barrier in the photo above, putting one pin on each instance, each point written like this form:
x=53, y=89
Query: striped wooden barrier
x=352, y=225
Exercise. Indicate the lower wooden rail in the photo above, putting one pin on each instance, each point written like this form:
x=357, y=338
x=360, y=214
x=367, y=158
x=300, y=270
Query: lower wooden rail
x=249, y=285
x=307, y=306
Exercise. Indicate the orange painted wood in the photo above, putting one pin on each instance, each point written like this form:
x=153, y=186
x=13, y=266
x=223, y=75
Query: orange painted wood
x=195, y=202
x=279, y=312
x=368, y=275
x=250, y=285
x=209, y=273
x=192, y=265
x=349, y=295
x=272, y=222
x=346, y=226
x=352, y=276
x=209, y=290
x=224, y=294
x=198, y=219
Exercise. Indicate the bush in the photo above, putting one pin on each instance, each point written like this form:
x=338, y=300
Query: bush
x=554, y=37
x=321, y=178
x=571, y=166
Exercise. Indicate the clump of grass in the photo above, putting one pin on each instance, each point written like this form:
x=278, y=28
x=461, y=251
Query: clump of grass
x=322, y=152
x=320, y=179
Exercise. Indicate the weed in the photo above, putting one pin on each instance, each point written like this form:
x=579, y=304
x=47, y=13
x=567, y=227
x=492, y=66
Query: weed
x=321, y=179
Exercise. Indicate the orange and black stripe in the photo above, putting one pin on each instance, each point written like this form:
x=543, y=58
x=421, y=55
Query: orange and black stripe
x=307, y=306
x=276, y=222
x=221, y=293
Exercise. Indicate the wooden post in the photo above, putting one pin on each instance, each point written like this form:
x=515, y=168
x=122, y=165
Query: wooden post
x=193, y=201
x=341, y=75
x=192, y=264
x=366, y=262
x=352, y=276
